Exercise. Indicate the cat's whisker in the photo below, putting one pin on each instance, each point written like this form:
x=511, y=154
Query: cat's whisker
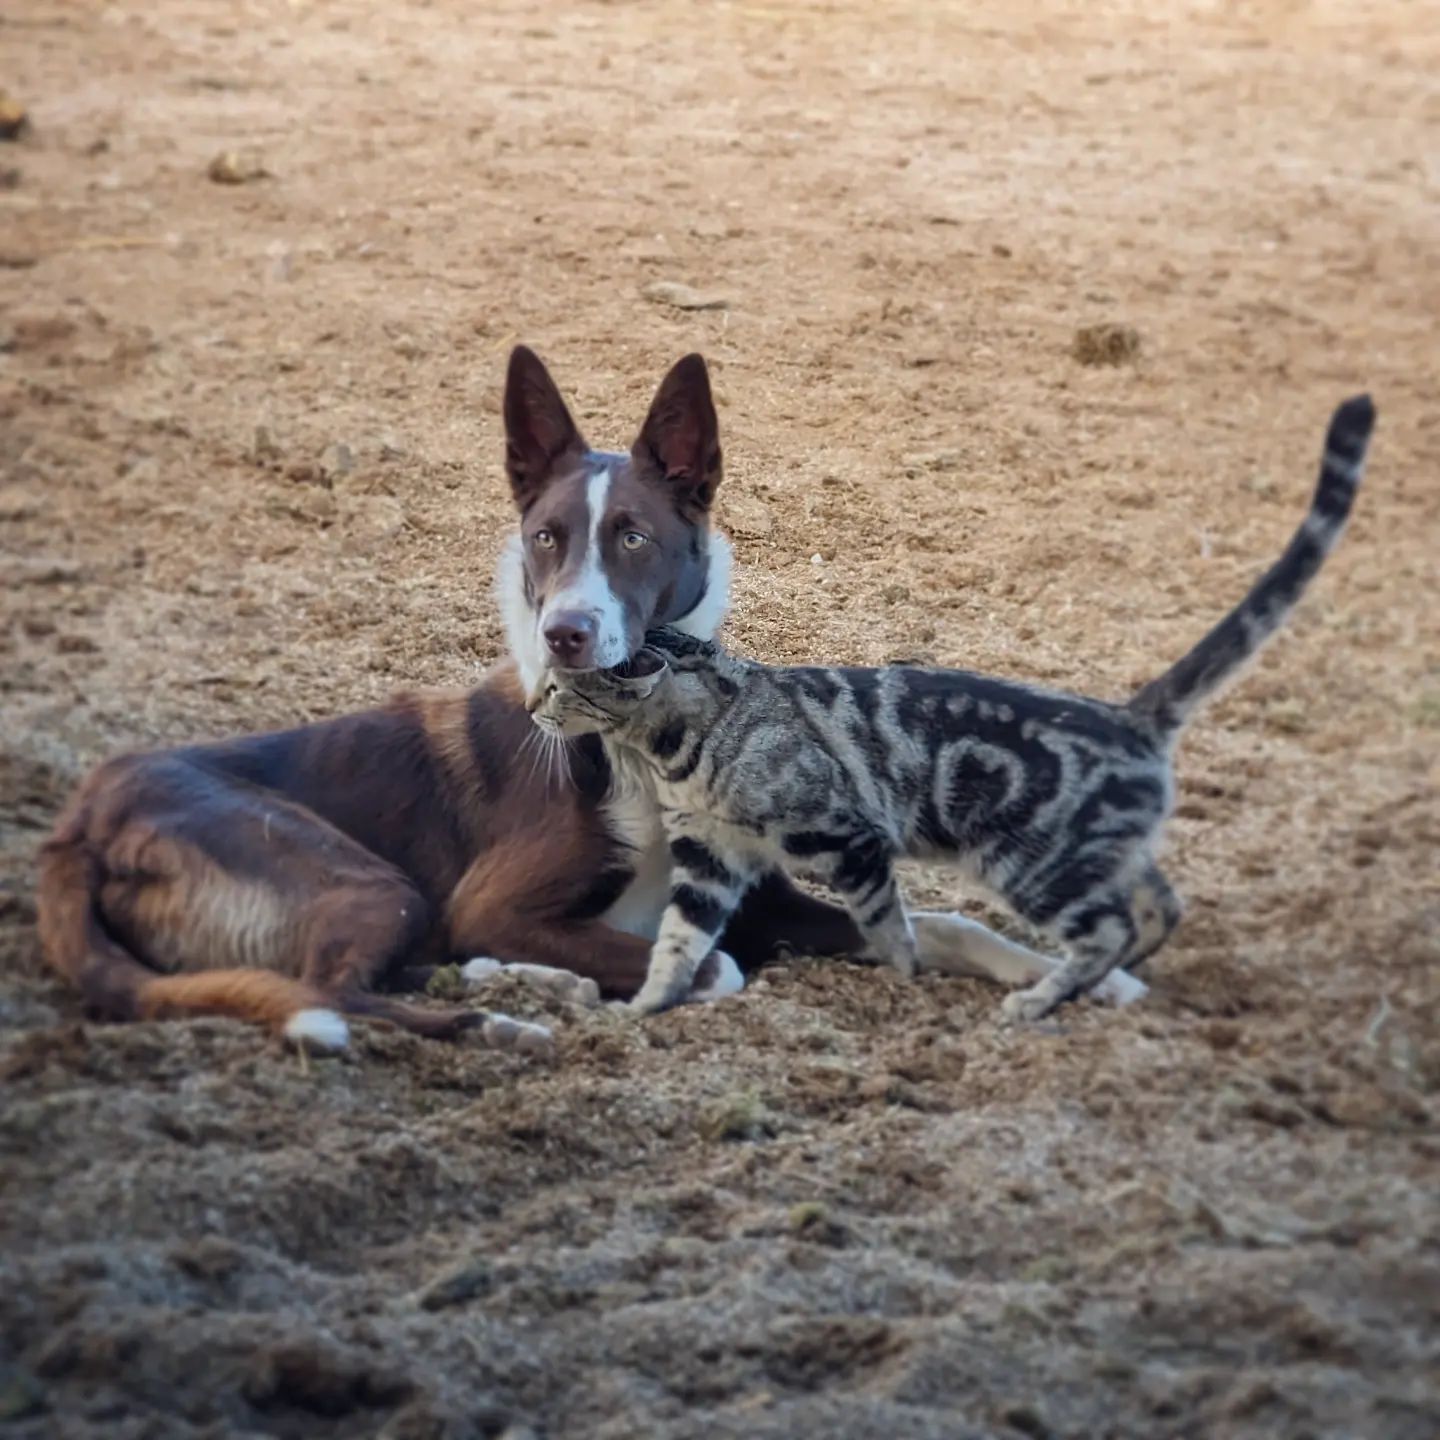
x=532, y=747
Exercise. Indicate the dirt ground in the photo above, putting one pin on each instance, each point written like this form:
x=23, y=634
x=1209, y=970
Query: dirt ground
x=838, y=1206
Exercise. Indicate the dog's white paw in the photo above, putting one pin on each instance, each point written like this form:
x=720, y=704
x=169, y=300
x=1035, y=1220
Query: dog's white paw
x=721, y=977
x=1121, y=988
x=504, y=1032
x=477, y=971
x=565, y=983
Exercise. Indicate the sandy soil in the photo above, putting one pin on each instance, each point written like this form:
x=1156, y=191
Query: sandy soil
x=839, y=1206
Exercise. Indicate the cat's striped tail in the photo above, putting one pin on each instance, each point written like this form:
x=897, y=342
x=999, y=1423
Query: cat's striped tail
x=1169, y=701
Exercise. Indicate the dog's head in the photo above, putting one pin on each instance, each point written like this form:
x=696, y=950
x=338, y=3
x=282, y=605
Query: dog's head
x=609, y=544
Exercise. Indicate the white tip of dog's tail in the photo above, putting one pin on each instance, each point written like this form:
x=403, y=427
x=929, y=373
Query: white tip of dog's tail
x=322, y=1029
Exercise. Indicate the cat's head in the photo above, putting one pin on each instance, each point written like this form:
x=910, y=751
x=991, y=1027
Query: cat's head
x=599, y=702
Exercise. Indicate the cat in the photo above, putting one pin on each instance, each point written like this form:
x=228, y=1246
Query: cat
x=1052, y=802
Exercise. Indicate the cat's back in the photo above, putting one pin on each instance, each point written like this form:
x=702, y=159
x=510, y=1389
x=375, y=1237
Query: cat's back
x=900, y=705
x=987, y=706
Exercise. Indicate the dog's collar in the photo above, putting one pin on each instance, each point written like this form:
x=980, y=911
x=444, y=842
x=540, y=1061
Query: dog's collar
x=699, y=600
x=703, y=616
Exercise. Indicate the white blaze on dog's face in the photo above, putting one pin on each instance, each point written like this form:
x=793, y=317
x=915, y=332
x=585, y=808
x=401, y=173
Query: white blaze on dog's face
x=609, y=544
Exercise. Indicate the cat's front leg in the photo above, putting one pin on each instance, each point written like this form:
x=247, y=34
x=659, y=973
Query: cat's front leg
x=707, y=883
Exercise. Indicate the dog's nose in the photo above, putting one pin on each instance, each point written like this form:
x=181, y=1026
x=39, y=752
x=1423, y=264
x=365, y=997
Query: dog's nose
x=571, y=638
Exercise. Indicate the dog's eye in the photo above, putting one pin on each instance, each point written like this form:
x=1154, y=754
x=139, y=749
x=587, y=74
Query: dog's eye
x=544, y=539
x=634, y=540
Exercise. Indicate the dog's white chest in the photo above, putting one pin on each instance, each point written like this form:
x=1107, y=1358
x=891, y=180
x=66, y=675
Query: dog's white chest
x=635, y=818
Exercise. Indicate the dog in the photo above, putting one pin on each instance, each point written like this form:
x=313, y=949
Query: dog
x=299, y=877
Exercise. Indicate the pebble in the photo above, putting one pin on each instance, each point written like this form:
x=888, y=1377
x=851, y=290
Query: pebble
x=937, y=460
x=236, y=167
x=264, y=450
x=336, y=460
x=14, y=121
x=683, y=297
x=1106, y=344
x=456, y=1286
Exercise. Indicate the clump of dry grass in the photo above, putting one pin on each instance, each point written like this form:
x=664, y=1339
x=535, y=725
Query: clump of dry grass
x=1106, y=344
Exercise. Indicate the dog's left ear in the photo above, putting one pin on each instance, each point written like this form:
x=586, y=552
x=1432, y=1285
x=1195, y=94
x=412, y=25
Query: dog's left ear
x=539, y=433
x=680, y=439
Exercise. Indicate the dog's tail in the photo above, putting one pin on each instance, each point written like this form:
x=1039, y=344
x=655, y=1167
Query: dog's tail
x=1169, y=701
x=116, y=986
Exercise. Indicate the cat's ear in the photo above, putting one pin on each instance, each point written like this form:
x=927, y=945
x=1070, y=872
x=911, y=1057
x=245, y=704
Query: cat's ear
x=646, y=671
x=539, y=433
x=679, y=443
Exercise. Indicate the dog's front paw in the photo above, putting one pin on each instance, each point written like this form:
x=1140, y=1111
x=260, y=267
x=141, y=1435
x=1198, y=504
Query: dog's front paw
x=504, y=1032
x=477, y=971
x=1024, y=1007
x=1120, y=988
x=717, y=977
x=579, y=989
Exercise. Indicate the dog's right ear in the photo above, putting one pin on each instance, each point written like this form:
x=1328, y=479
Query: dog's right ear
x=680, y=439
x=538, y=428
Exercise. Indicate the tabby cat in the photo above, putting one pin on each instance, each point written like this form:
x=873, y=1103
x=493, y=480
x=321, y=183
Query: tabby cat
x=1051, y=801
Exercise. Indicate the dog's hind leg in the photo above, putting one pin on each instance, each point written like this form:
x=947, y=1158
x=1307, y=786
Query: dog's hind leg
x=167, y=890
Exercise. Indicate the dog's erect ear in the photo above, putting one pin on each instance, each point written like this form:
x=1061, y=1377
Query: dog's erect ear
x=538, y=427
x=680, y=438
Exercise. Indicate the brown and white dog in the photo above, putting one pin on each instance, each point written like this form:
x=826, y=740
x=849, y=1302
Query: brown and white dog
x=285, y=878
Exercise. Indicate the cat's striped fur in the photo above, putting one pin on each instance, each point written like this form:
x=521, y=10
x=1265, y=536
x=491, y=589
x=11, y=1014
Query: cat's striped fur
x=1051, y=801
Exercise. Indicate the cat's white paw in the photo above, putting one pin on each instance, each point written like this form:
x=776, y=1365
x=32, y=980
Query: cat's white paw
x=1120, y=988
x=655, y=995
x=504, y=1032
x=903, y=963
x=1024, y=1007
x=727, y=979
x=647, y=1002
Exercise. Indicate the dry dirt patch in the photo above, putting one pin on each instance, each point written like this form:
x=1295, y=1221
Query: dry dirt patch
x=249, y=475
